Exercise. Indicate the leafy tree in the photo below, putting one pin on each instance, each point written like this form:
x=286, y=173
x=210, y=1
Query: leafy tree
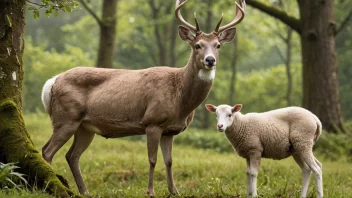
x=317, y=31
x=107, y=26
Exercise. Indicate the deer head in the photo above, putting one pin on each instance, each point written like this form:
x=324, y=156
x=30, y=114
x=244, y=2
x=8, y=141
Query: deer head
x=206, y=46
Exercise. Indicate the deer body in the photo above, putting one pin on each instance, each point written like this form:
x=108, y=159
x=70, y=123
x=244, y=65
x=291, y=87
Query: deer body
x=116, y=103
x=158, y=102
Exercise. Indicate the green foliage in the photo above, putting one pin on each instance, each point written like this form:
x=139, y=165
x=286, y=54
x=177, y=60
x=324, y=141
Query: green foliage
x=204, y=139
x=335, y=146
x=40, y=65
x=51, y=7
x=9, y=178
x=344, y=49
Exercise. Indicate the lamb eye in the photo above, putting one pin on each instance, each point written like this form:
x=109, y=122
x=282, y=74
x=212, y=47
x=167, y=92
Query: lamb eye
x=229, y=115
x=197, y=46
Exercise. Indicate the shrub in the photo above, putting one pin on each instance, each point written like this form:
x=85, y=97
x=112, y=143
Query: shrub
x=9, y=178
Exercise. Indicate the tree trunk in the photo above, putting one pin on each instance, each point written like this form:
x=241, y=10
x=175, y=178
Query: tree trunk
x=208, y=27
x=15, y=143
x=320, y=83
x=233, y=72
x=206, y=115
x=173, y=35
x=288, y=66
x=107, y=34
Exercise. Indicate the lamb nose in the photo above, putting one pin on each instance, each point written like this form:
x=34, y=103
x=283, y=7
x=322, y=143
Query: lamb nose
x=220, y=126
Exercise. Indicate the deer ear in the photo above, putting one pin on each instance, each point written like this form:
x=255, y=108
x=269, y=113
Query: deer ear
x=210, y=107
x=236, y=108
x=186, y=34
x=227, y=35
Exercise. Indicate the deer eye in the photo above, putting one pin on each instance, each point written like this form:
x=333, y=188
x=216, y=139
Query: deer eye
x=197, y=46
x=218, y=46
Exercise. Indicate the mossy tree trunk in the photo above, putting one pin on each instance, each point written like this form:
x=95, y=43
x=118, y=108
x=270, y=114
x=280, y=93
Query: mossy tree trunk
x=15, y=143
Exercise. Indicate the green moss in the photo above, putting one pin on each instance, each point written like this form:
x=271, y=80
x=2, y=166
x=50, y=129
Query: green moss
x=16, y=146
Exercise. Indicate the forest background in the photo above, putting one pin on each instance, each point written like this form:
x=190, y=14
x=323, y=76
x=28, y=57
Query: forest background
x=261, y=68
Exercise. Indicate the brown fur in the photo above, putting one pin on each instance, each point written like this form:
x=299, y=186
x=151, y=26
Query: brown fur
x=124, y=102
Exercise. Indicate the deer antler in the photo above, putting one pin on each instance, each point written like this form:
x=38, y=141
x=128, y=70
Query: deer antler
x=179, y=4
x=240, y=12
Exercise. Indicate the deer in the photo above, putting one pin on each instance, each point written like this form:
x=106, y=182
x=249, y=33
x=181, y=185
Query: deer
x=158, y=102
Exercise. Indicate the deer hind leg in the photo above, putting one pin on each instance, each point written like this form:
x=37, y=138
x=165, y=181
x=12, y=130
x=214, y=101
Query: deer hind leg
x=166, y=148
x=62, y=133
x=153, y=139
x=82, y=140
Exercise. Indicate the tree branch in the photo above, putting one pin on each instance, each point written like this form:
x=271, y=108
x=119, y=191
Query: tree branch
x=290, y=21
x=84, y=4
x=280, y=54
x=275, y=31
x=34, y=3
x=344, y=23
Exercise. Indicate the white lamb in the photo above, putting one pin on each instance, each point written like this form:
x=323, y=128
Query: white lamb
x=275, y=134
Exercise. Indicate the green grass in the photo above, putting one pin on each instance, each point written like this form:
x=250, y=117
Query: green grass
x=119, y=168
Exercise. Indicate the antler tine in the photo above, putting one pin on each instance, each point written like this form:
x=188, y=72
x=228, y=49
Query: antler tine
x=197, y=24
x=240, y=13
x=180, y=18
x=218, y=25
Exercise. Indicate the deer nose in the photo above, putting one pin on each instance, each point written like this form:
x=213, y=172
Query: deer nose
x=210, y=60
x=220, y=126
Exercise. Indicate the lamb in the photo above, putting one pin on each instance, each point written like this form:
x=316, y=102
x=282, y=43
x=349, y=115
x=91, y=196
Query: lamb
x=275, y=134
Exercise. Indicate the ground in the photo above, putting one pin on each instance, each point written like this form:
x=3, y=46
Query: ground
x=119, y=168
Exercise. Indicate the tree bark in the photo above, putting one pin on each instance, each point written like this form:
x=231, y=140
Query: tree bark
x=107, y=34
x=320, y=82
x=234, y=72
x=15, y=143
x=288, y=66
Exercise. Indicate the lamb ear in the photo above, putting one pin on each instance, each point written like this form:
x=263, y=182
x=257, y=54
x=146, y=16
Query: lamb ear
x=236, y=108
x=210, y=107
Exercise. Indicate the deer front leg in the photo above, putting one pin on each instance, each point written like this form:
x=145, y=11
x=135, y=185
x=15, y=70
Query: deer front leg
x=153, y=139
x=166, y=148
x=253, y=164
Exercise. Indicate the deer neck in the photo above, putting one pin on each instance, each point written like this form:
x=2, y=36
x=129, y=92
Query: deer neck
x=196, y=84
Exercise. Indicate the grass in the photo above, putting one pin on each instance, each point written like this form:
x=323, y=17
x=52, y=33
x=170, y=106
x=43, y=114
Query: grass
x=119, y=168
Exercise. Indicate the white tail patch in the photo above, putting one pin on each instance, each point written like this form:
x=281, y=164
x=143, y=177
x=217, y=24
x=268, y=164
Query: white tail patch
x=46, y=92
x=206, y=75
